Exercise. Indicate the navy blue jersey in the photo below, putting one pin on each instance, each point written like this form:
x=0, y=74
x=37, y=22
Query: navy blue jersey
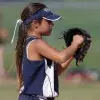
x=39, y=77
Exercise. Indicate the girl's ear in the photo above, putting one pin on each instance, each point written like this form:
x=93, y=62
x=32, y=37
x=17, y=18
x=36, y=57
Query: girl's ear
x=35, y=24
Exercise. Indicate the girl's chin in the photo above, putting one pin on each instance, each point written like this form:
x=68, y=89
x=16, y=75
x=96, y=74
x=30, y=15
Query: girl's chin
x=47, y=34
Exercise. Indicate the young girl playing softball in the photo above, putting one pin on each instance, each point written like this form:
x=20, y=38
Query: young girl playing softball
x=38, y=64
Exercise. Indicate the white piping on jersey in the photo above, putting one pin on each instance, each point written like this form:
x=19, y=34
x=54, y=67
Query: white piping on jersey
x=21, y=89
x=28, y=38
x=48, y=85
x=28, y=47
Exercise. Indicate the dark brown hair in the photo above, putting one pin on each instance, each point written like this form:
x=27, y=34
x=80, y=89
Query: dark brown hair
x=22, y=34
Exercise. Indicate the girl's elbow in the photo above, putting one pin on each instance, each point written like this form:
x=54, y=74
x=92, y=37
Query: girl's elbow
x=62, y=59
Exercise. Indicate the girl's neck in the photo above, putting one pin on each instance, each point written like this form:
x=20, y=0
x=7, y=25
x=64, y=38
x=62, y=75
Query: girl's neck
x=30, y=33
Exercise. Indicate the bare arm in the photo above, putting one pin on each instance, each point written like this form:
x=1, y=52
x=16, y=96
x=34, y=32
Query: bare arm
x=45, y=50
x=63, y=66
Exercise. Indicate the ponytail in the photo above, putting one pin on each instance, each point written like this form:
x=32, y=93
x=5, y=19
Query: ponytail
x=22, y=34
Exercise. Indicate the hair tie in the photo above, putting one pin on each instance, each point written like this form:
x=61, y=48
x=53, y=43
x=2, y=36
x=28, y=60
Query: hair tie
x=19, y=21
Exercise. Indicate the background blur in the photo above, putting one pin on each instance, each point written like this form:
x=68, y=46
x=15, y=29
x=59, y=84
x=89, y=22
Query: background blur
x=77, y=83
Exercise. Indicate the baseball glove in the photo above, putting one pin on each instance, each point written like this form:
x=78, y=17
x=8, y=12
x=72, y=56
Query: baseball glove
x=82, y=51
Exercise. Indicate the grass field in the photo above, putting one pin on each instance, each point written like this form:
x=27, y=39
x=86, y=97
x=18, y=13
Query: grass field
x=68, y=91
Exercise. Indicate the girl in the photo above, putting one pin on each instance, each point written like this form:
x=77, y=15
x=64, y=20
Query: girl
x=38, y=64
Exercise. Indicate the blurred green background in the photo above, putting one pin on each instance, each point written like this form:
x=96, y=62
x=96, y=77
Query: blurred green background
x=75, y=13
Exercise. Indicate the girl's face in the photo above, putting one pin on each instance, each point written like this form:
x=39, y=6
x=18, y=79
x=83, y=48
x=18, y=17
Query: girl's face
x=45, y=27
